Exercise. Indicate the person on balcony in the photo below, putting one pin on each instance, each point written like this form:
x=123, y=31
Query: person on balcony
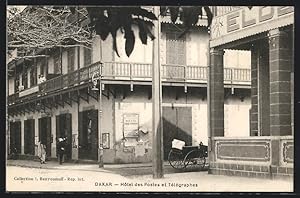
x=41, y=78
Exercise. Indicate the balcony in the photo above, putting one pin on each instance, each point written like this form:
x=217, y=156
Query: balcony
x=140, y=73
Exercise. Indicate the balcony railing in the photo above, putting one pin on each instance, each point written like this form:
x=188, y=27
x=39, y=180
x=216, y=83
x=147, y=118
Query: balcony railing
x=141, y=72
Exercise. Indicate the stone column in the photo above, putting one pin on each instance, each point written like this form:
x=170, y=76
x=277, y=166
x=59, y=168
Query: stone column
x=254, y=95
x=215, y=99
x=263, y=90
x=280, y=88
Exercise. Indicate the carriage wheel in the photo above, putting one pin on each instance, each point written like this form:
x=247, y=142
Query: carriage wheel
x=175, y=159
x=194, y=160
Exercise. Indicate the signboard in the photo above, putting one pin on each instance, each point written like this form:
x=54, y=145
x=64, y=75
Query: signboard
x=130, y=125
x=105, y=140
x=245, y=22
x=29, y=91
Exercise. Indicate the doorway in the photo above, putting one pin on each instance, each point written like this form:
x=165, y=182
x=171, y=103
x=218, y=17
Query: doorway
x=45, y=136
x=88, y=134
x=64, y=129
x=15, y=137
x=29, y=132
x=177, y=124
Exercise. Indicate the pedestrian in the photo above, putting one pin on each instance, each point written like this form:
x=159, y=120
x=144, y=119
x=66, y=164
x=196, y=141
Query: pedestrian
x=43, y=154
x=61, y=147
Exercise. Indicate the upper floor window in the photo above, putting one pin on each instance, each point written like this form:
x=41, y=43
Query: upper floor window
x=25, y=78
x=176, y=48
x=87, y=56
x=17, y=82
x=71, y=59
x=33, y=76
x=57, y=62
x=42, y=66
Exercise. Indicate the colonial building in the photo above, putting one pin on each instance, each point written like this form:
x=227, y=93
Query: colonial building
x=268, y=33
x=66, y=104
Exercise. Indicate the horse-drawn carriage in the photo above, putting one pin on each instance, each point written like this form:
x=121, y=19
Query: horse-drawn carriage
x=182, y=157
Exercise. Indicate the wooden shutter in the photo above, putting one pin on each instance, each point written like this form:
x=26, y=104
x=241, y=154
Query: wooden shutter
x=18, y=136
x=68, y=125
x=32, y=136
x=40, y=128
x=87, y=56
x=176, y=48
x=49, y=136
x=57, y=62
x=94, y=118
x=71, y=59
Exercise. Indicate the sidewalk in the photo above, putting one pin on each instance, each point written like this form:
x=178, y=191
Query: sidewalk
x=74, y=166
x=111, y=173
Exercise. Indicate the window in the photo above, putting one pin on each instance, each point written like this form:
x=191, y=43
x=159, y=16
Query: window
x=25, y=78
x=43, y=66
x=176, y=50
x=71, y=61
x=33, y=77
x=57, y=63
x=87, y=56
x=17, y=82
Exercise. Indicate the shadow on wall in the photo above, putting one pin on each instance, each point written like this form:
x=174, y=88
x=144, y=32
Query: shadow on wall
x=174, y=131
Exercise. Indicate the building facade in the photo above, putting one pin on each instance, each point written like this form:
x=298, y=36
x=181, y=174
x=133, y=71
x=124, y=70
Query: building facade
x=268, y=33
x=65, y=104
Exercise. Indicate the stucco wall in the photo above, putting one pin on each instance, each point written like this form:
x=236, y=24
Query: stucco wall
x=196, y=48
x=237, y=59
x=124, y=151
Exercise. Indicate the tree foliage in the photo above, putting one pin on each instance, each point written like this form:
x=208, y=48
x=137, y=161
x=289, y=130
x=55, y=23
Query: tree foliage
x=108, y=20
x=45, y=27
x=48, y=26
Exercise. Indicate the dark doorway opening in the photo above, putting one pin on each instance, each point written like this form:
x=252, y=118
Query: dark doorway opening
x=15, y=137
x=45, y=136
x=64, y=129
x=88, y=135
x=177, y=124
x=29, y=132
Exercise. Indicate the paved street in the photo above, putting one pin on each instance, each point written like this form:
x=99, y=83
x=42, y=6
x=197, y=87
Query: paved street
x=135, y=177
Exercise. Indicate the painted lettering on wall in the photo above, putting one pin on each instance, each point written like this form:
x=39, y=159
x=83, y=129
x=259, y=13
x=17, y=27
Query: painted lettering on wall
x=263, y=14
x=244, y=18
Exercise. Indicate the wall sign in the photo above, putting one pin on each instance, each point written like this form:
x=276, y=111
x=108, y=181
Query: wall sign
x=105, y=140
x=246, y=22
x=130, y=124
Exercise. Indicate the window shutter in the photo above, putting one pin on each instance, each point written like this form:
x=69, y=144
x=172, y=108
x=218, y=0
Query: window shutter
x=57, y=63
x=87, y=56
x=176, y=48
x=71, y=59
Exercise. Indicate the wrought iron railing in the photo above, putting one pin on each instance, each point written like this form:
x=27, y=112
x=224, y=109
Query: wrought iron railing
x=139, y=71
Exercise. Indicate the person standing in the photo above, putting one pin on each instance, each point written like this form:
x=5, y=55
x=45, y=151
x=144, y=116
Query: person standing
x=61, y=148
x=43, y=154
x=39, y=151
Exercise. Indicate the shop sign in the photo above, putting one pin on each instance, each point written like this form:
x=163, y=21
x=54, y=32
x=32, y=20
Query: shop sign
x=246, y=22
x=29, y=91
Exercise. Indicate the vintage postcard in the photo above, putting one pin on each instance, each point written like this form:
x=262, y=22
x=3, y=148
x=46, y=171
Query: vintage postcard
x=150, y=98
